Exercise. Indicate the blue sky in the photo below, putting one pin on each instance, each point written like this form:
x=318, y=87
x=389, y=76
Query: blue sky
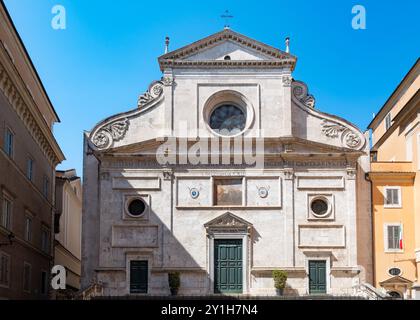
x=108, y=53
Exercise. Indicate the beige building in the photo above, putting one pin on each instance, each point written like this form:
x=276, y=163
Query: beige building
x=29, y=155
x=396, y=189
x=68, y=228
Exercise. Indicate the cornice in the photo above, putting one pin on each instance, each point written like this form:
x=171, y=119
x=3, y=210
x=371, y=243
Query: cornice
x=227, y=63
x=405, y=83
x=12, y=86
x=275, y=57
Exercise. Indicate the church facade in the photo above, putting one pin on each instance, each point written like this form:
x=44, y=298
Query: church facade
x=224, y=172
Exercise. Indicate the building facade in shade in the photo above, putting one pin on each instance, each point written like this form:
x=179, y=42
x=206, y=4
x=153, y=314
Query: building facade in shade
x=396, y=189
x=28, y=157
x=68, y=229
x=167, y=189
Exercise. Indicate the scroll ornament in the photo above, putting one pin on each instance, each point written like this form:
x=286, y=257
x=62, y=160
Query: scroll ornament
x=300, y=92
x=349, y=138
x=106, y=135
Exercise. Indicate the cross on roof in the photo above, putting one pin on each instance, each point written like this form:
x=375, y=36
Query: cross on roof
x=226, y=15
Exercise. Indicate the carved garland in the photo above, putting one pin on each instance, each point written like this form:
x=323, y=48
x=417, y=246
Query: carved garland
x=15, y=99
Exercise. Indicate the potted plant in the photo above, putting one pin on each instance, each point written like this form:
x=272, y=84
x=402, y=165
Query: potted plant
x=280, y=278
x=174, y=282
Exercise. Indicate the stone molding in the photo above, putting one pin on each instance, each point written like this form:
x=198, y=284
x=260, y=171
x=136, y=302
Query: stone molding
x=228, y=221
x=17, y=102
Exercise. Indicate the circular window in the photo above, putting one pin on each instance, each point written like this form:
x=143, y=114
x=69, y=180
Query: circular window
x=136, y=207
x=228, y=120
x=394, y=271
x=320, y=207
x=227, y=58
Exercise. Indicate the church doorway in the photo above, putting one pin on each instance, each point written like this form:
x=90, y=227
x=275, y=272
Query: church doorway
x=317, y=277
x=228, y=273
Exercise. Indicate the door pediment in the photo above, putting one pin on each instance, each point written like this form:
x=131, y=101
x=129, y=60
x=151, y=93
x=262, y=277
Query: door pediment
x=228, y=221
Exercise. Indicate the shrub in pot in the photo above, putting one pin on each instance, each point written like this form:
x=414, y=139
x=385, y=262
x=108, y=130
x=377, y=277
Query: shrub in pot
x=174, y=282
x=280, y=279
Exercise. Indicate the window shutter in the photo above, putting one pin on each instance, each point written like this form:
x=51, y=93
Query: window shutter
x=388, y=196
x=390, y=237
x=395, y=199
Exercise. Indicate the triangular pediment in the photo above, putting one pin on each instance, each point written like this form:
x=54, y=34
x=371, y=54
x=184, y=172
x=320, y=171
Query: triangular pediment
x=228, y=50
x=396, y=280
x=228, y=220
x=241, y=51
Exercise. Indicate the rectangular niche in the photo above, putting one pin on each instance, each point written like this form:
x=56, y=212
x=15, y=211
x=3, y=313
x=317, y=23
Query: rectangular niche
x=135, y=236
x=263, y=192
x=322, y=236
x=135, y=183
x=193, y=191
x=320, y=182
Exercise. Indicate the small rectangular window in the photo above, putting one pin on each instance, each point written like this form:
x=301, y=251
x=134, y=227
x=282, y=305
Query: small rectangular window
x=30, y=169
x=27, y=269
x=45, y=240
x=46, y=187
x=9, y=142
x=4, y=270
x=6, y=213
x=392, y=197
x=388, y=121
x=394, y=237
x=44, y=282
x=228, y=192
x=28, y=229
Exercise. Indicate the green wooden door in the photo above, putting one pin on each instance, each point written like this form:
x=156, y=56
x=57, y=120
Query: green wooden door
x=317, y=277
x=138, y=276
x=228, y=266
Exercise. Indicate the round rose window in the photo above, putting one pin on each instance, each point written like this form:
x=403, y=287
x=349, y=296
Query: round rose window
x=228, y=120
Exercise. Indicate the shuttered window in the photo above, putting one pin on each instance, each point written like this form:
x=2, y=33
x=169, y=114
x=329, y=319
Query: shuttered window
x=394, y=237
x=9, y=142
x=392, y=197
x=4, y=270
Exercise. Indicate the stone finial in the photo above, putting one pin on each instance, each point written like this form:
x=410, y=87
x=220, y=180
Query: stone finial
x=287, y=44
x=166, y=44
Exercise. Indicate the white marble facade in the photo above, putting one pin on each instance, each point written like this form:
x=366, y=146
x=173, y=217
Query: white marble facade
x=308, y=156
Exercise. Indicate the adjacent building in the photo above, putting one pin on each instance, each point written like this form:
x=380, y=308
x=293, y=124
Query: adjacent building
x=68, y=229
x=167, y=189
x=396, y=189
x=29, y=155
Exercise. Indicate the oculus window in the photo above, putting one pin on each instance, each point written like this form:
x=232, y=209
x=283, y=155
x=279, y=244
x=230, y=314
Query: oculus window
x=136, y=207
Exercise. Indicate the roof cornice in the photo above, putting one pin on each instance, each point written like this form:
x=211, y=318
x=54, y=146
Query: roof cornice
x=405, y=82
x=277, y=57
x=13, y=88
x=27, y=58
